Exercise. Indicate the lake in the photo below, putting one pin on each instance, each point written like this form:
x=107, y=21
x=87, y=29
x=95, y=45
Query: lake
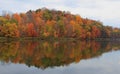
x=59, y=57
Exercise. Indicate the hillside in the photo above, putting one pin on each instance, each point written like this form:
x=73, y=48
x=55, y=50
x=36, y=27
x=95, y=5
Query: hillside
x=45, y=23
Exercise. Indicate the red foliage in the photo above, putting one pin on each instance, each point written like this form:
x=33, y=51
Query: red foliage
x=31, y=31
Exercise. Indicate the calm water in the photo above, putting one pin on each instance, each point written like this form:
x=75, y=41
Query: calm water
x=59, y=57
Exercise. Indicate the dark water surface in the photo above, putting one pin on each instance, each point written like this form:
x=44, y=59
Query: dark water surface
x=59, y=57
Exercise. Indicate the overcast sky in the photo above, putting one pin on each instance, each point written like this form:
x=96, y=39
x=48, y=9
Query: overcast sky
x=107, y=11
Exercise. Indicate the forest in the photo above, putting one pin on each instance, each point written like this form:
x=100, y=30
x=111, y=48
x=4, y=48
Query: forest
x=46, y=23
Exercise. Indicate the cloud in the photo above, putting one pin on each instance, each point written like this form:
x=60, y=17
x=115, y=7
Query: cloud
x=103, y=10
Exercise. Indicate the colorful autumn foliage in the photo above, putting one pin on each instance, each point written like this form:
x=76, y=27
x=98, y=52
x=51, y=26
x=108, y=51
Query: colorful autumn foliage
x=30, y=30
x=46, y=23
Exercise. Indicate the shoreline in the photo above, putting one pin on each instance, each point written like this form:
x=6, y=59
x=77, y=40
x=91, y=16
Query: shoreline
x=56, y=39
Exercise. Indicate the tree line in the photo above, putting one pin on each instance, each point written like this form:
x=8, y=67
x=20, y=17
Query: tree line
x=45, y=23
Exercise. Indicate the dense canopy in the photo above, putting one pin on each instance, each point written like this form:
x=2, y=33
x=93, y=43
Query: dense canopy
x=45, y=23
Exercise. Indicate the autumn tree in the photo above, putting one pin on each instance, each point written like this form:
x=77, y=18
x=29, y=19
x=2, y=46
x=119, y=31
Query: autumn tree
x=9, y=30
x=31, y=32
x=17, y=18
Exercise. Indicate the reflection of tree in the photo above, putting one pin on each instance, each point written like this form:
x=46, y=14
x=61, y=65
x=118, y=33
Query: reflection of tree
x=45, y=54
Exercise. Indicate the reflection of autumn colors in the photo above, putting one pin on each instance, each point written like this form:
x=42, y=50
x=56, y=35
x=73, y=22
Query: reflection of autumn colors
x=45, y=54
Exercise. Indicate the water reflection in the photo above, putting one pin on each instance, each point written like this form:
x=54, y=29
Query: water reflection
x=44, y=54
